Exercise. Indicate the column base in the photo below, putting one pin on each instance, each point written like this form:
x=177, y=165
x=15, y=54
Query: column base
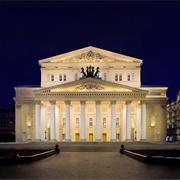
x=128, y=140
x=113, y=140
x=143, y=140
x=38, y=140
x=53, y=140
x=82, y=140
x=98, y=140
x=68, y=140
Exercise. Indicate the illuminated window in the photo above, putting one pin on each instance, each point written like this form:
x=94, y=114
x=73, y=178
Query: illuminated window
x=105, y=76
x=77, y=122
x=52, y=77
x=64, y=77
x=120, y=77
x=104, y=121
x=64, y=122
x=76, y=76
x=60, y=77
x=132, y=76
x=90, y=122
x=117, y=122
x=128, y=77
x=116, y=77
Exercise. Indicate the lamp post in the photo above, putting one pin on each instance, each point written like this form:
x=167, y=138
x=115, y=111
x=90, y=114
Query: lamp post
x=45, y=134
x=135, y=133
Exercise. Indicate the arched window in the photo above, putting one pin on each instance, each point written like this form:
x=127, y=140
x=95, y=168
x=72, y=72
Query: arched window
x=52, y=77
x=116, y=77
x=60, y=77
x=120, y=77
x=48, y=77
x=132, y=76
x=64, y=77
x=76, y=76
x=128, y=77
x=105, y=76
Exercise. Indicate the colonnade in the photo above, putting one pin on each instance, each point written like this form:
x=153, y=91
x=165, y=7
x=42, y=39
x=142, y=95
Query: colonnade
x=54, y=121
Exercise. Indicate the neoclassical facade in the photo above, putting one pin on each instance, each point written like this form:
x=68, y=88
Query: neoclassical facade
x=90, y=95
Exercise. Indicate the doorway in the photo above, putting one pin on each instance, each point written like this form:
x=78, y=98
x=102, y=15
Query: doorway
x=90, y=137
x=77, y=137
x=104, y=137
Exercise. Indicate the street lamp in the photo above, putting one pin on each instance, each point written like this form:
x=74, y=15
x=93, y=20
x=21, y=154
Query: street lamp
x=45, y=134
x=135, y=132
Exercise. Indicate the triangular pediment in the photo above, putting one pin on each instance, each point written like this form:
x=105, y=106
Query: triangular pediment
x=90, y=55
x=91, y=85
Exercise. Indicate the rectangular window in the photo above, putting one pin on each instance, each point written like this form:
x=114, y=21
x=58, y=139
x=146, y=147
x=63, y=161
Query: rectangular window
x=90, y=122
x=60, y=77
x=132, y=76
x=64, y=122
x=104, y=121
x=105, y=76
x=117, y=122
x=64, y=77
x=52, y=77
x=77, y=122
x=120, y=77
x=116, y=77
x=128, y=77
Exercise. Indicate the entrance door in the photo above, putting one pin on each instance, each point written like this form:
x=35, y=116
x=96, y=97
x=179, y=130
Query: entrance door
x=77, y=137
x=104, y=137
x=90, y=137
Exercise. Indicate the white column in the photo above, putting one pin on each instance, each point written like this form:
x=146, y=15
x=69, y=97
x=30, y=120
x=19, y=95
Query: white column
x=37, y=121
x=68, y=138
x=98, y=121
x=83, y=122
x=128, y=121
x=52, y=124
x=113, y=120
x=18, y=123
x=143, y=121
x=57, y=122
x=124, y=123
x=138, y=123
x=163, y=132
x=43, y=123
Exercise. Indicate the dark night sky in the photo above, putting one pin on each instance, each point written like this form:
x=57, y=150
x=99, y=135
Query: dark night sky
x=30, y=31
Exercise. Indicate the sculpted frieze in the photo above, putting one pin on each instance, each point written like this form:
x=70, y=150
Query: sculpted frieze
x=90, y=87
x=91, y=57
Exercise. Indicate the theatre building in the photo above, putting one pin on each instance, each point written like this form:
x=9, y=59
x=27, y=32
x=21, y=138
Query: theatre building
x=90, y=95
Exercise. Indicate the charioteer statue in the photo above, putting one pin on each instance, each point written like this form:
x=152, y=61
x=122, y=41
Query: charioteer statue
x=90, y=72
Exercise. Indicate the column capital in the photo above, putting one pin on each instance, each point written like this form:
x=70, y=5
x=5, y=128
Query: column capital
x=18, y=106
x=83, y=102
x=98, y=102
x=143, y=102
x=37, y=102
x=67, y=102
x=128, y=102
x=53, y=102
x=163, y=106
x=113, y=102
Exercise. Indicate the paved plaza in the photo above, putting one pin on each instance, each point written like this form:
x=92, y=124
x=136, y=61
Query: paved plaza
x=89, y=161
